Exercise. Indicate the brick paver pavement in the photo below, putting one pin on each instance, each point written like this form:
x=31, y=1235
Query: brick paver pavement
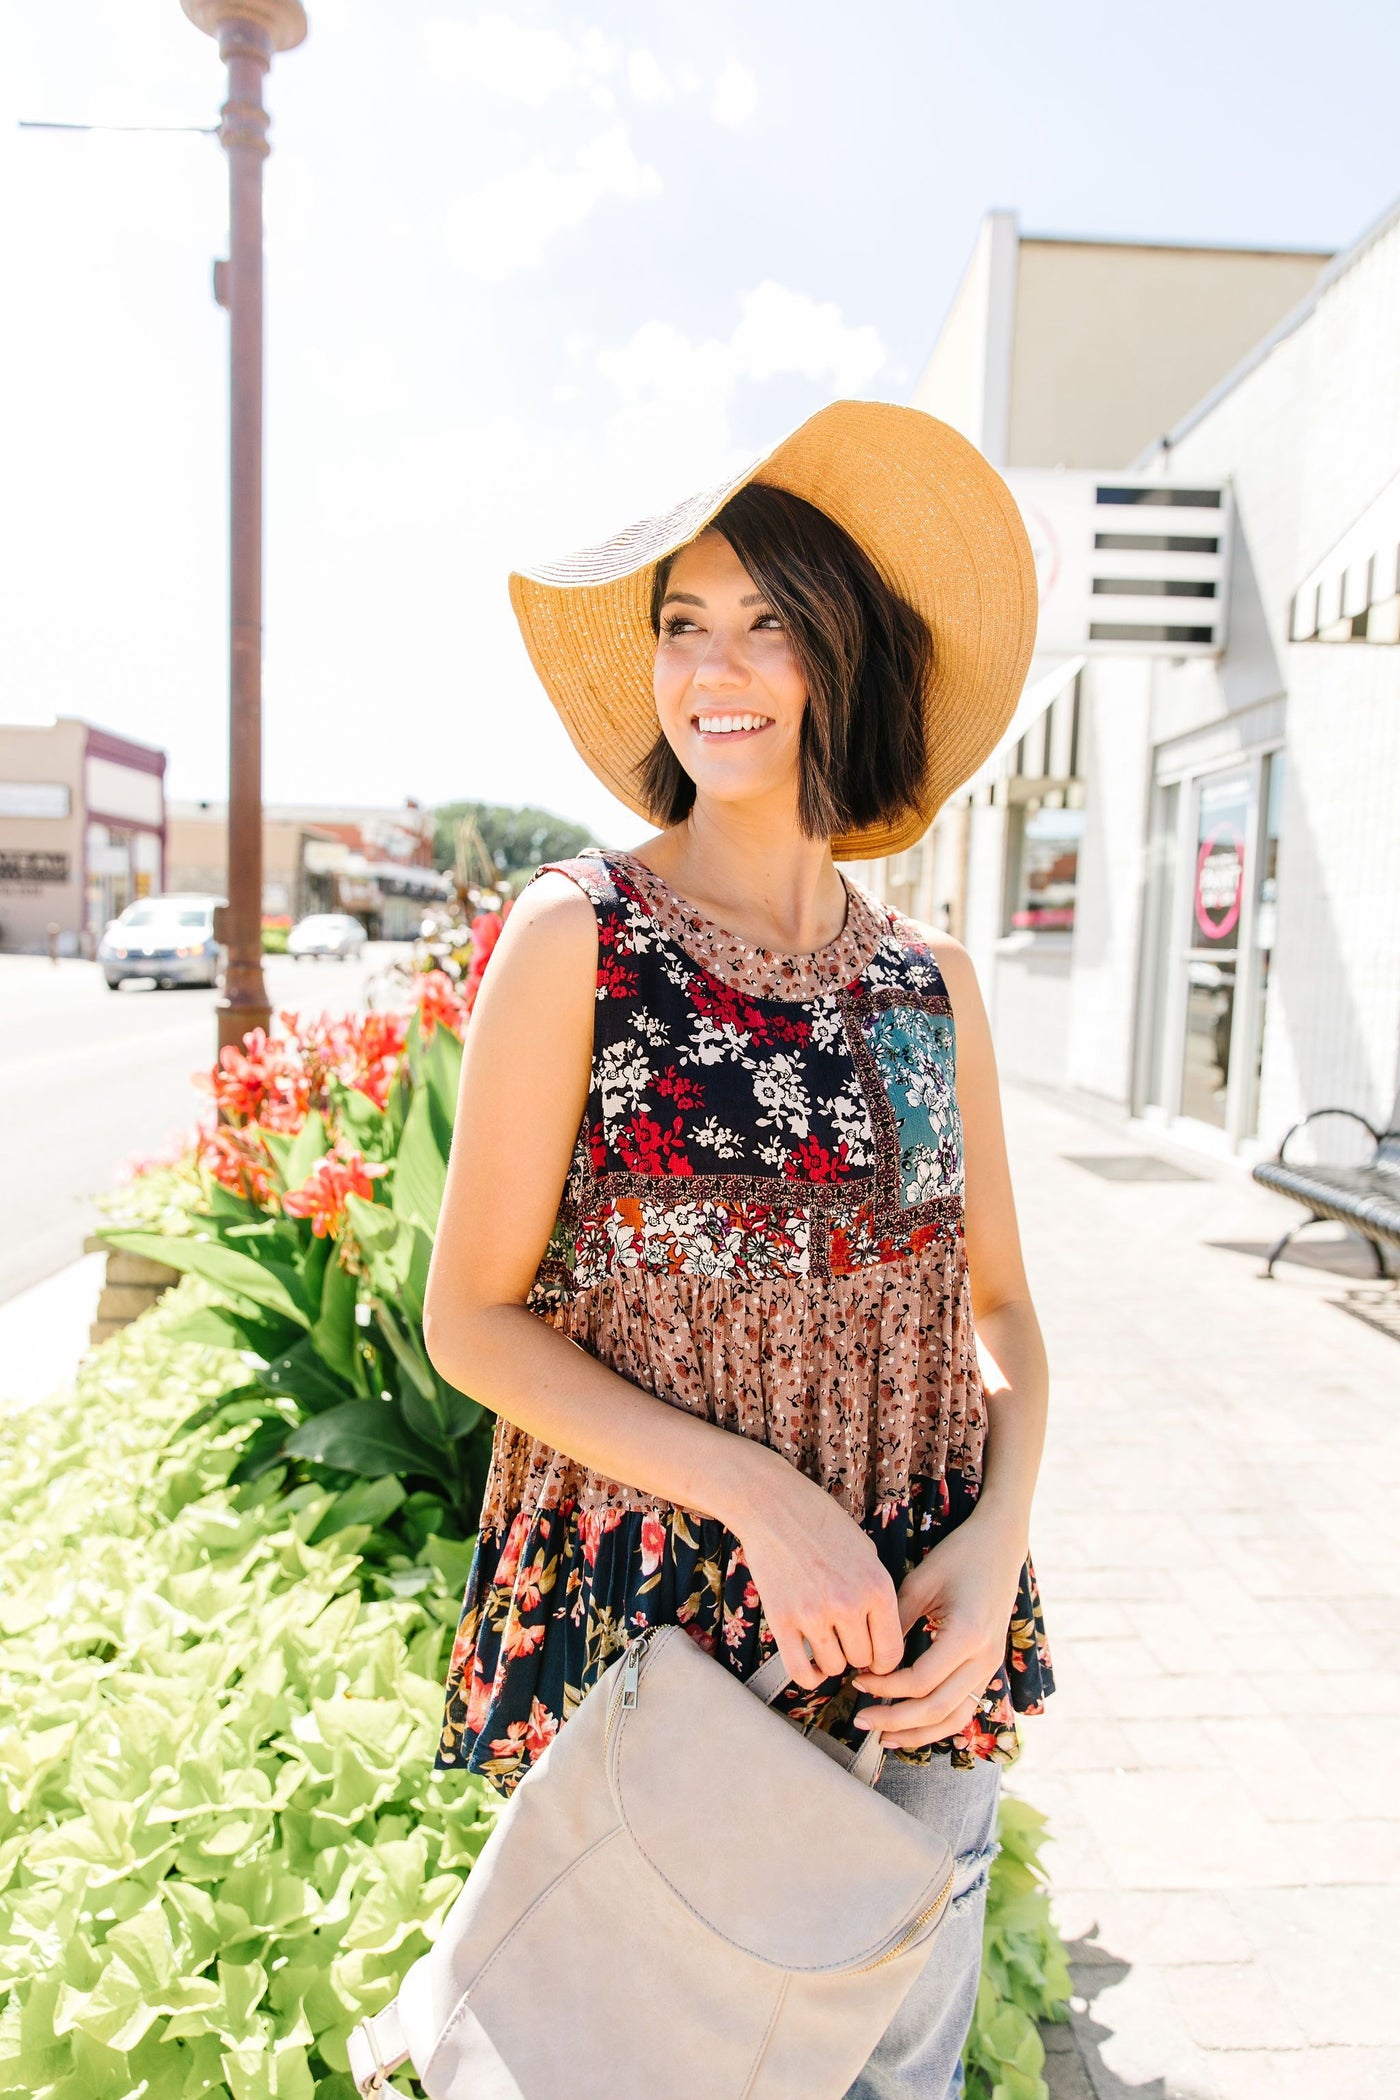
x=1219, y=1557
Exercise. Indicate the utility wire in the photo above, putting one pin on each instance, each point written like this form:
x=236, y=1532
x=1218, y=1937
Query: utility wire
x=43, y=124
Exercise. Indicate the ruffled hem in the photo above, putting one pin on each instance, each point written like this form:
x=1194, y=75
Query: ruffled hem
x=554, y=1594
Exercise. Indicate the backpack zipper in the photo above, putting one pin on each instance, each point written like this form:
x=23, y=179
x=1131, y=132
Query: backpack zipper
x=625, y=1697
x=913, y=1930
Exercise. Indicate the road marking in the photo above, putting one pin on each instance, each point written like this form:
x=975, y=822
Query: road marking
x=79, y=1053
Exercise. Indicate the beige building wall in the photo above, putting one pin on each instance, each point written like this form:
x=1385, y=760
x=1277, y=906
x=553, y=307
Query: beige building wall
x=50, y=755
x=966, y=379
x=1114, y=341
x=197, y=855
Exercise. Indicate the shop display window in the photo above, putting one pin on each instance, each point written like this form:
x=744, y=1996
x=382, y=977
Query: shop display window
x=1046, y=851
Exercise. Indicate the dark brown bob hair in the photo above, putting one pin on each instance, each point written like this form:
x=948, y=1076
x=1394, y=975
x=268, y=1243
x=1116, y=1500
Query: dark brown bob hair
x=864, y=652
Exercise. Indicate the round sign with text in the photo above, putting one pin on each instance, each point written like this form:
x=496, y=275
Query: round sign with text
x=1219, y=881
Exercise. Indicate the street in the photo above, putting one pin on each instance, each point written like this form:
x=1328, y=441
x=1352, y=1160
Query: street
x=89, y=1077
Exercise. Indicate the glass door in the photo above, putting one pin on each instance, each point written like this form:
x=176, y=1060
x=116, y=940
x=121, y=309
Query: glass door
x=1225, y=804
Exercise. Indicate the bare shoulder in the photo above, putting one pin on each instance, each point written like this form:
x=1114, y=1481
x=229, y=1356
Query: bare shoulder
x=548, y=943
x=956, y=965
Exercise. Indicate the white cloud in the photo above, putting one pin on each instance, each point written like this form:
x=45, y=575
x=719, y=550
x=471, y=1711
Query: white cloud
x=736, y=95
x=504, y=225
x=783, y=331
x=650, y=81
x=516, y=62
x=648, y=78
x=670, y=431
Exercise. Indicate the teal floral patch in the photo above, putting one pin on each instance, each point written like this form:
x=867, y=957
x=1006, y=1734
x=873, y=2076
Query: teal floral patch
x=917, y=1061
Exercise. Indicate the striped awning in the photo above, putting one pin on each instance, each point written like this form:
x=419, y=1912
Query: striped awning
x=1044, y=714
x=1354, y=595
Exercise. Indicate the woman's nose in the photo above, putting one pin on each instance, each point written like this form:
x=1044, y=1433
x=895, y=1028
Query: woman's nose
x=722, y=667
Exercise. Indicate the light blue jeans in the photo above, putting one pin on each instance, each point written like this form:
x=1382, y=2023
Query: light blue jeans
x=919, y=2056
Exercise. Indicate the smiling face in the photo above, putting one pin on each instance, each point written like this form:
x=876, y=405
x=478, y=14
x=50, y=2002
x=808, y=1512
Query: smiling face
x=730, y=693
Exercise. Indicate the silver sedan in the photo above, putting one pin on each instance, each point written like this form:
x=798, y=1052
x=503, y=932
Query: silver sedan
x=332, y=933
x=168, y=939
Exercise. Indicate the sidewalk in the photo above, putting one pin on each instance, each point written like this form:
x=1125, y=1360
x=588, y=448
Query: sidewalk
x=1220, y=1561
x=44, y=1332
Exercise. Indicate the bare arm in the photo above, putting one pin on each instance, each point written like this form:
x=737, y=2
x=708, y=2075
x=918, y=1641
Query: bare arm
x=525, y=1077
x=968, y=1582
x=1011, y=1351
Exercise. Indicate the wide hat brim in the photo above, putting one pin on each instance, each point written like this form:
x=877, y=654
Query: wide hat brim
x=938, y=522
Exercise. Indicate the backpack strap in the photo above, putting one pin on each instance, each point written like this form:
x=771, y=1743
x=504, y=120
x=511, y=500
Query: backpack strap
x=376, y=2049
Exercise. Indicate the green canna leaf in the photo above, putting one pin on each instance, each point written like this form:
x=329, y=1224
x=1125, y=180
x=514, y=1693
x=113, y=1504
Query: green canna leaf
x=270, y=1285
x=420, y=1167
x=361, y=1436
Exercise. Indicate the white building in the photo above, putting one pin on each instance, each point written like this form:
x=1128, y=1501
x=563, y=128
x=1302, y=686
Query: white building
x=1124, y=870
x=1285, y=751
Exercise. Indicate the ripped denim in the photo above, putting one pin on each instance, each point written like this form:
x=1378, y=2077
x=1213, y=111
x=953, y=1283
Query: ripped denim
x=919, y=2056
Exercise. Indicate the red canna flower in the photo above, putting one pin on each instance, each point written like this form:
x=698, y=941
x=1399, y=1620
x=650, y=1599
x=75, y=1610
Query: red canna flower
x=322, y=1196
x=378, y=1045
x=261, y=1082
x=238, y=1159
x=440, y=1004
x=487, y=927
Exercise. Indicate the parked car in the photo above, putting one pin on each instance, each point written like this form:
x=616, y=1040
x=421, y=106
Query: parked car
x=332, y=933
x=169, y=939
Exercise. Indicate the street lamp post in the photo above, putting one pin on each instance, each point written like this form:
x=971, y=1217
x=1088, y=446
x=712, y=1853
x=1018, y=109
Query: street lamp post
x=248, y=33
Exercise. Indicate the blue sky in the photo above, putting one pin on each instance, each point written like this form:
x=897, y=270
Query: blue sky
x=534, y=270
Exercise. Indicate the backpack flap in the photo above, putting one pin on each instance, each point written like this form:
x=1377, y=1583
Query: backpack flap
x=761, y=1835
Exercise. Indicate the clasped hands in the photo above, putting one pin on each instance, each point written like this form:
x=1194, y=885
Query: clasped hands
x=966, y=1591
x=831, y=1607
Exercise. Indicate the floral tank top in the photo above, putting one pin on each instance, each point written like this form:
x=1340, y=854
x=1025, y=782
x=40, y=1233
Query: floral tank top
x=763, y=1224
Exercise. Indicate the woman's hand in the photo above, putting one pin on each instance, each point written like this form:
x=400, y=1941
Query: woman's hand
x=967, y=1587
x=819, y=1578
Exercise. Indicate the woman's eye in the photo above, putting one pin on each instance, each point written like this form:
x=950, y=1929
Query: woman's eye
x=768, y=620
x=676, y=623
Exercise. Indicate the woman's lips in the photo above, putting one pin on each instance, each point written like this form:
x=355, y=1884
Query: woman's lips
x=734, y=728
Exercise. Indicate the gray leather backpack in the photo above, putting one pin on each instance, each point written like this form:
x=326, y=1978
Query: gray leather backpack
x=686, y=1898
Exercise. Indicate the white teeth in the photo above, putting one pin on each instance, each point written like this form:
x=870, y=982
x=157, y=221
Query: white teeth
x=724, y=725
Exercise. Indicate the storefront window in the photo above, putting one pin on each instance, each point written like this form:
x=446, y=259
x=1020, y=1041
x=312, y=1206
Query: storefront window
x=1042, y=896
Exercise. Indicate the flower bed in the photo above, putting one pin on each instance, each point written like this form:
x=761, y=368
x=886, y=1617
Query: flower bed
x=221, y=1841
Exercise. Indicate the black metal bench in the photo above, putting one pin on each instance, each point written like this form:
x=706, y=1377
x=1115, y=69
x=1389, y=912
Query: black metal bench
x=1365, y=1197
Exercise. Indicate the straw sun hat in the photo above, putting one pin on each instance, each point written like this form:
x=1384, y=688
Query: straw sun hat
x=941, y=527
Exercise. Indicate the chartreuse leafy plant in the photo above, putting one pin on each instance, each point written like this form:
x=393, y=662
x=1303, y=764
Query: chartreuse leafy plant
x=1025, y=1976
x=318, y=1204
x=221, y=1840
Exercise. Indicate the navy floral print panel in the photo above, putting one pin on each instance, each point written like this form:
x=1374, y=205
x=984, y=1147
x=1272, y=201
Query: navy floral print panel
x=798, y=1134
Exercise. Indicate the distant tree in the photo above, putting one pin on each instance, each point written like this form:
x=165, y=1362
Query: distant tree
x=517, y=839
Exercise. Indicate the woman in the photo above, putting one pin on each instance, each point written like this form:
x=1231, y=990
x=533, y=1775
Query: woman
x=721, y=1205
